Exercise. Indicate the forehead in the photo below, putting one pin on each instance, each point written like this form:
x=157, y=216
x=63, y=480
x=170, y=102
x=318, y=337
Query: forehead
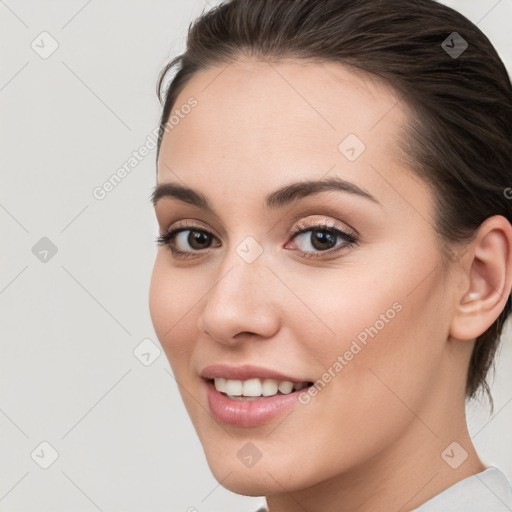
x=258, y=123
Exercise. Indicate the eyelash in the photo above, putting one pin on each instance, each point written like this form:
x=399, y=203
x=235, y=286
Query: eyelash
x=348, y=238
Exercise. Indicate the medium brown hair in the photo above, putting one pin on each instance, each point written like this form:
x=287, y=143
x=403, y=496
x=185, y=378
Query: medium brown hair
x=459, y=137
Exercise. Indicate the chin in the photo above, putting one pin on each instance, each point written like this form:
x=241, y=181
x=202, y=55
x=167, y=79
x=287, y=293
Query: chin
x=270, y=475
x=254, y=481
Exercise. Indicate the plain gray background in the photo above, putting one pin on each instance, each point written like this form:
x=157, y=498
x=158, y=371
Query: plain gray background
x=71, y=320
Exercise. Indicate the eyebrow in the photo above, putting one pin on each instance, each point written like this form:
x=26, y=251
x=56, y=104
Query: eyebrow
x=277, y=199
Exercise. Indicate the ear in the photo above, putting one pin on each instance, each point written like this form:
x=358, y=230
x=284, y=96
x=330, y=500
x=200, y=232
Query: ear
x=488, y=279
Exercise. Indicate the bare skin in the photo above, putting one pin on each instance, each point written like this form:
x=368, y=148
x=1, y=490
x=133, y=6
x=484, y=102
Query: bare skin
x=373, y=438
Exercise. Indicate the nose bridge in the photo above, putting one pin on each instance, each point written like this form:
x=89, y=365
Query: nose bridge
x=243, y=269
x=238, y=282
x=239, y=300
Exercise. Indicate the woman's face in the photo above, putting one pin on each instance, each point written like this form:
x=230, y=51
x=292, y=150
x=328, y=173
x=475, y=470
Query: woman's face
x=366, y=314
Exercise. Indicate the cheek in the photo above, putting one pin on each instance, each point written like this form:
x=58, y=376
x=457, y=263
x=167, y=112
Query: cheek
x=392, y=326
x=391, y=354
x=172, y=304
x=387, y=344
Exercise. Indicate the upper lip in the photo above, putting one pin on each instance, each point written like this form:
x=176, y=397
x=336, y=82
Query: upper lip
x=245, y=372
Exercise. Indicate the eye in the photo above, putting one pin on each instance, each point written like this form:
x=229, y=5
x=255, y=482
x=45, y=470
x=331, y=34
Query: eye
x=313, y=240
x=184, y=241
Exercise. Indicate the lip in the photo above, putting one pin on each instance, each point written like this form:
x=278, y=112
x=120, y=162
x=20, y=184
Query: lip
x=246, y=372
x=248, y=413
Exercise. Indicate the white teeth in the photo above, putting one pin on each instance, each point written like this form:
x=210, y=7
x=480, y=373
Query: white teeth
x=251, y=387
x=220, y=385
x=233, y=387
x=285, y=387
x=256, y=387
x=269, y=387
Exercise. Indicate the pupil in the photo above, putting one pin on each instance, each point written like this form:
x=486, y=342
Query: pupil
x=196, y=238
x=319, y=239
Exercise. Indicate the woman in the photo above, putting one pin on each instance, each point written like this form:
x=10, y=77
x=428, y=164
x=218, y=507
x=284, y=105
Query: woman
x=335, y=260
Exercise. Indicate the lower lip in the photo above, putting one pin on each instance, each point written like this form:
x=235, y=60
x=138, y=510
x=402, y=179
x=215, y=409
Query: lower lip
x=248, y=413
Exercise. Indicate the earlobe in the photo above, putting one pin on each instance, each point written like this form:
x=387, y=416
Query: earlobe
x=488, y=278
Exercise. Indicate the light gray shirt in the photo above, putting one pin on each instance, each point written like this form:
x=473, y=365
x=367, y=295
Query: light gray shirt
x=488, y=491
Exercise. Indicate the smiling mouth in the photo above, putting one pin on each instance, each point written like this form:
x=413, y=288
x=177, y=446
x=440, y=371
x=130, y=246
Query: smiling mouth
x=256, y=389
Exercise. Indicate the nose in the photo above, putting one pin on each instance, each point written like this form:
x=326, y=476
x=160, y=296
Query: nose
x=242, y=303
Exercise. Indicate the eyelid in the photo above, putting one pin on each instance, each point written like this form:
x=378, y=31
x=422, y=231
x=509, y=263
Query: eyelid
x=187, y=224
x=317, y=224
x=322, y=213
x=176, y=216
